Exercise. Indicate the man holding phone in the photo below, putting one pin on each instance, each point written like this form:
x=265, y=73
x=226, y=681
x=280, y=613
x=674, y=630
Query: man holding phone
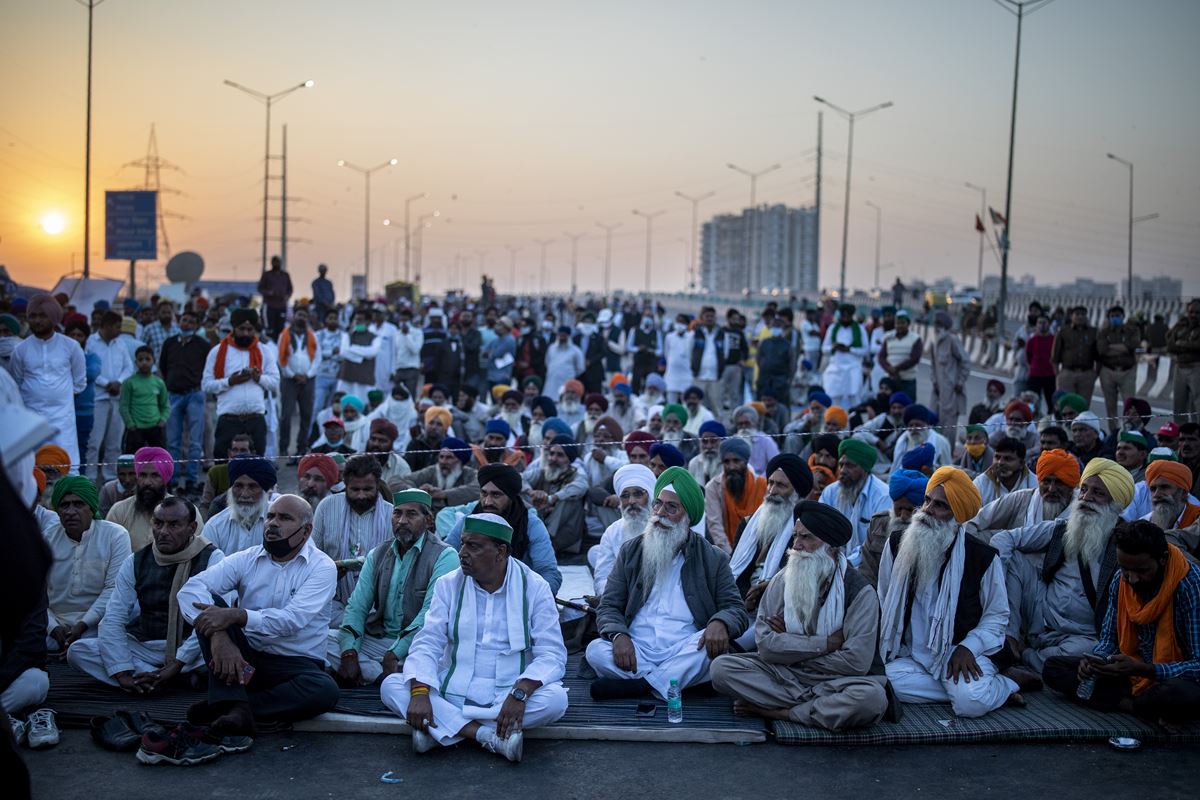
x=239, y=372
x=1148, y=659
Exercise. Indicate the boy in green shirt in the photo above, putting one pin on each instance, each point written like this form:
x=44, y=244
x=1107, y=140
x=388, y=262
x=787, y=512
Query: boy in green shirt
x=144, y=404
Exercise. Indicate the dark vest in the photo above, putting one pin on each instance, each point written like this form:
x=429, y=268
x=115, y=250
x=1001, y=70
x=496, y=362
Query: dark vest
x=698, y=344
x=612, y=361
x=1097, y=594
x=977, y=558
x=152, y=583
x=363, y=372
x=416, y=583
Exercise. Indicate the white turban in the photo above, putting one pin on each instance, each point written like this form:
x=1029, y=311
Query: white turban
x=638, y=475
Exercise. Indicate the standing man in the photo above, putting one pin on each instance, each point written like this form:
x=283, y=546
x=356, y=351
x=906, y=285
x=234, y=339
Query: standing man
x=358, y=351
x=322, y=293
x=163, y=328
x=329, y=340
x=275, y=286
x=238, y=371
x=49, y=369
x=1116, y=351
x=116, y=364
x=900, y=354
x=472, y=344
x=708, y=358
x=846, y=345
x=645, y=344
x=951, y=366
x=1183, y=342
x=181, y=365
x=595, y=349
x=299, y=365
x=1074, y=353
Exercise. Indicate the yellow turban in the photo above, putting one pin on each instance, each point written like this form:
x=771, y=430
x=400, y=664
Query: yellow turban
x=1116, y=479
x=438, y=412
x=961, y=492
x=498, y=391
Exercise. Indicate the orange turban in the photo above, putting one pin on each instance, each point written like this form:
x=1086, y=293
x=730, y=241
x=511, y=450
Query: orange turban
x=760, y=407
x=1172, y=471
x=837, y=414
x=438, y=412
x=51, y=455
x=961, y=492
x=617, y=378
x=1060, y=464
x=40, y=478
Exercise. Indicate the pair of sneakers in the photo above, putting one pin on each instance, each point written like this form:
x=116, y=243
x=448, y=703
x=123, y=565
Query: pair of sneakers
x=511, y=748
x=38, y=731
x=187, y=745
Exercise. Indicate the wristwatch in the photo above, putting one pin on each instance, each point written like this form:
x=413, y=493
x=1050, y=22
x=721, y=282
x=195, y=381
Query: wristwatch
x=519, y=695
x=612, y=637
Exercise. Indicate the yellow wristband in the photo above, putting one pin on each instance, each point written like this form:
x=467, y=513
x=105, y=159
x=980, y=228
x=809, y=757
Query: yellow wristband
x=417, y=691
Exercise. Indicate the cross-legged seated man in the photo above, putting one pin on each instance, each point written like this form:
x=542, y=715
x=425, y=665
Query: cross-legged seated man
x=818, y=636
x=671, y=604
x=944, y=605
x=488, y=663
x=392, y=595
x=267, y=656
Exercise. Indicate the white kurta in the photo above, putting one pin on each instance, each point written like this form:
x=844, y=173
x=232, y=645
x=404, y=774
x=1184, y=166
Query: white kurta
x=872, y=500
x=603, y=556
x=990, y=489
x=843, y=376
x=677, y=351
x=50, y=373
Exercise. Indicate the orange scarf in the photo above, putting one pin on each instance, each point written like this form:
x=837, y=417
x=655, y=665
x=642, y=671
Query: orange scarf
x=1158, y=611
x=738, y=509
x=285, y=345
x=256, y=359
x=1188, y=516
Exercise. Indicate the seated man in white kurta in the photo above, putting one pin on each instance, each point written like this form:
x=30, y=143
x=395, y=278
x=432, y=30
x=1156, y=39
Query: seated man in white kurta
x=489, y=662
x=671, y=604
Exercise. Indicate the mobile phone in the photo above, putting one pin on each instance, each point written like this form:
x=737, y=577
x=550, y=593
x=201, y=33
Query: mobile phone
x=646, y=708
x=247, y=674
x=1095, y=659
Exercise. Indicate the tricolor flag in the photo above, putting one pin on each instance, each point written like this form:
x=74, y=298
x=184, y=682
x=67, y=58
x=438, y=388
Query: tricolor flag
x=997, y=217
x=979, y=224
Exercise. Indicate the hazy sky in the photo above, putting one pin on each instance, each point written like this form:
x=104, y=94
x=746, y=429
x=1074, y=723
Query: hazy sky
x=523, y=120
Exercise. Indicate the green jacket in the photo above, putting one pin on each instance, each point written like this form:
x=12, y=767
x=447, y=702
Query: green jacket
x=144, y=402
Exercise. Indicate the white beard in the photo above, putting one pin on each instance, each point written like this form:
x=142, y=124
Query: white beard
x=712, y=464
x=634, y=519
x=447, y=480
x=1088, y=529
x=918, y=437
x=895, y=524
x=747, y=434
x=1052, y=508
x=569, y=406
x=923, y=550
x=535, y=433
x=773, y=515
x=805, y=579
x=247, y=516
x=589, y=424
x=1165, y=513
x=513, y=418
x=848, y=495
x=551, y=474
x=659, y=547
x=672, y=438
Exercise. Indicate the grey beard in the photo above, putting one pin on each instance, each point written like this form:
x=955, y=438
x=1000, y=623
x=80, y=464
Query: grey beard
x=1015, y=431
x=551, y=474
x=312, y=497
x=806, y=577
x=1165, y=513
x=659, y=547
x=773, y=515
x=1088, y=529
x=447, y=480
x=896, y=524
x=848, y=494
x=513, y=418
x=569, y=406
x=634, y=518
x=247, y=516
x=535, y=433
x=922, y=550
x=1052, y=508
x=918, y=437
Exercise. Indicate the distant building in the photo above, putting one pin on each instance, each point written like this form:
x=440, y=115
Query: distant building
x=1160, y=288
x=764, y=248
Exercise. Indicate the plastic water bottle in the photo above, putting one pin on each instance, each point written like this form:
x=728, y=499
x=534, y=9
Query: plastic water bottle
x=674, y=702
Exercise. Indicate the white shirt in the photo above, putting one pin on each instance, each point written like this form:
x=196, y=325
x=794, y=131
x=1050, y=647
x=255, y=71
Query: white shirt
x=990, y=489
x=614, y=537
x=872, y=500
x=224, y=531
x=708, y=359
x=298, y=361
x=665, y=619
x=677, y=349
x=115, y=364
x=122, y=608
x=244, y=398
x=287, y=604
x=83, y=574
x=408, y=347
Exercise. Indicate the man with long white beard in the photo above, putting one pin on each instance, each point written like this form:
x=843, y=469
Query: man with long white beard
x=674, y=417
x=762, y=543
x=570, y=404
x=746, y=421
x=858, y=494
x=906, y=487
x=452, y=480
x=818, y=636
x=1172, y=510
x=1057, y=476
x=670, y=606
x=239, y=526
x=556, y=488
x=706, y=464
x=1059, y=573
x=634, y=483
x=512, y=412
x=595, y=406
x=622, y=408
x=944, y=606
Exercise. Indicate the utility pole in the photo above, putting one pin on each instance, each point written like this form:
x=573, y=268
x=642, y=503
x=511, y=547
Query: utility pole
x=608, y=232
x=574, y=237
x=87, y=152
x=982, y=233
x=408, y=201
x=152, y=165
x=817, y=200
x=649, y=217
x=542, y=279
x=283, y=218
x=693, y=254
x=878, y=235
x=366, y=172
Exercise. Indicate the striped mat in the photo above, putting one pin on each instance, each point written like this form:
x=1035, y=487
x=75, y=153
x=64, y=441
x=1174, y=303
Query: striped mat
x=1046, y=718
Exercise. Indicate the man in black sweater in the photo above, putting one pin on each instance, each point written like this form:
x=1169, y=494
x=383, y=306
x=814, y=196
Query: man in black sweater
x=181, y=366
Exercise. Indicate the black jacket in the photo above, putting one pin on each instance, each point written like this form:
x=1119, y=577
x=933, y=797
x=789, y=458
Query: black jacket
x=181, y=363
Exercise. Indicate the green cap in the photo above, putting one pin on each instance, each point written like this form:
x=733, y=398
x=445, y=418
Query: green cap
x=490, y=525
x=1136, y=439
x=125, y=460
x=413, y=496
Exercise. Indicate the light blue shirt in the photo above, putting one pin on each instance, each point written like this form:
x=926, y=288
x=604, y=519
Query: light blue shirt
x=539, y=556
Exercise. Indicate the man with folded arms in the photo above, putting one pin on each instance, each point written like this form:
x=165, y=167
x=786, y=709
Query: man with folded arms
x=392, y=595
x=818, y=636
x=488, y=663
x=671, y=604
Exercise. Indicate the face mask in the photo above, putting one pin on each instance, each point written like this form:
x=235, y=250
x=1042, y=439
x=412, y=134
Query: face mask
x=278, y=547
x=976, y=450
x=1116, y=319
x=186, y=334
x=587, y=328
x=777, y=331
x=547, y=325
x=647, y=324
x=359, y=328
x=680, y=327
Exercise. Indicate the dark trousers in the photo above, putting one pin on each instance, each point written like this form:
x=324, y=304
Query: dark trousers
x=276, y=319
x=292, y=393
x=1175, y=701
x=1045, y=386
x=411, y=378
x=137, y=438
x=230, y=425
x=284, y=688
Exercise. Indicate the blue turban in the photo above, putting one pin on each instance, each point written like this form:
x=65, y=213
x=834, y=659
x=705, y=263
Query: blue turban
x=622, y=387
x=461, y=450
x=737, y=446
x=918, y=457
x=101, y=305
x=821, y=398
x=901, y=398
x=559, y=427
x=354, y=402
x=669, y=454
x=713, y=427
x=909, y=484
x=498, y=426
x=260, y=470
x=564, y=329
x=916, y=412
x=567, y=442
x=656, y=381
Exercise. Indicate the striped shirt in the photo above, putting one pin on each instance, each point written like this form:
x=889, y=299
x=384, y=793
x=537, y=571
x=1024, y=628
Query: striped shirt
x=1187, y=629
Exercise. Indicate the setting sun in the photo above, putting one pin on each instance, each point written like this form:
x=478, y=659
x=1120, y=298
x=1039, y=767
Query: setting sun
x=53, y=223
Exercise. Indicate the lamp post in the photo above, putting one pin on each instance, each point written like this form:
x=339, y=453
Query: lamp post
x=878, y=236
x=1129, y=255
x=751, y=271
x=692, y=252
x=649, y=217
x=608, y=232
x=87, y=153
x=366, y=172
x=408, y=201
x=422, y=224
x=574, y=237
x=849, y=116
x=267, y=100
x=542, y=275
x=982, y=233
x=512, y=265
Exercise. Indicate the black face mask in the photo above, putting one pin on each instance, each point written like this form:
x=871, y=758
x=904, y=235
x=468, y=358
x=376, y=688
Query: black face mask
x=299, y=324
x=278, y=547
x=243, y=341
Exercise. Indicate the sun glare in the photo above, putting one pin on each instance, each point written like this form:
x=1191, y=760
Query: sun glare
x=53, y=223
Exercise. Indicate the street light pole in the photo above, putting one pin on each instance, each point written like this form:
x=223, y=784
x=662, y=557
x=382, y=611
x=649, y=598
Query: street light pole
x=366, y=173
x=1129, y=286
x=87, y=154
x=574, y=237
x=849, y=116
x=693, y=250
x=422, y=224
x=542, y=278
x=649, y=217
x=512, y=266
x=982, y=234
x=878, y=236
x=267, y=100
x=407, y=236
x=608, y=232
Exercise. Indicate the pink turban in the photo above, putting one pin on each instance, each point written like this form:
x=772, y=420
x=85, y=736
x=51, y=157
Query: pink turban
x=158, y=458
x=47, y=305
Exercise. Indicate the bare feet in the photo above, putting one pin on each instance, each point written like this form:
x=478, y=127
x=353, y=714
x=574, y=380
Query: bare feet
x=1015, y=700
x=237, y=721
x=1026, y=679
x=743, y=709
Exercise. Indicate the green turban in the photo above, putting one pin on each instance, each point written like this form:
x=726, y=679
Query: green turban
x=681, y=482
x=1072, y=400
x=79, y=486
x=859, y=452
x=675, y=410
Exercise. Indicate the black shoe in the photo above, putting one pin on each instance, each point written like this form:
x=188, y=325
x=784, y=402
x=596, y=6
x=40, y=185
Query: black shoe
x=895, y=709
x=179, y=747
x=113, y=733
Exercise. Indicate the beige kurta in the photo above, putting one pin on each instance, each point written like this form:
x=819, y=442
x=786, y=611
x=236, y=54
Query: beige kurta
x=830, y=690
x=140, y=524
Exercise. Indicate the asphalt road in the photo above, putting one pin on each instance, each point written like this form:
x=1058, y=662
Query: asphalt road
x=350, y=765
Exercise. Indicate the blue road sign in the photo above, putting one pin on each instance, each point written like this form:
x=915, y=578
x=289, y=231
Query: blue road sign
x=130, y=226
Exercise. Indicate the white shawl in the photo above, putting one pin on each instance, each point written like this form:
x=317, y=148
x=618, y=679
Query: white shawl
x=941, y=625
x=747, y=548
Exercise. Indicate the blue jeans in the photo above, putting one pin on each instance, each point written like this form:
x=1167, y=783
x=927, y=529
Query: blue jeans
x=326, y=386
x=83, y=427
x=186, y=409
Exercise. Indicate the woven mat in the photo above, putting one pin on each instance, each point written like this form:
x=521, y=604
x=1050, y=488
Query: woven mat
x=1047, y=717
